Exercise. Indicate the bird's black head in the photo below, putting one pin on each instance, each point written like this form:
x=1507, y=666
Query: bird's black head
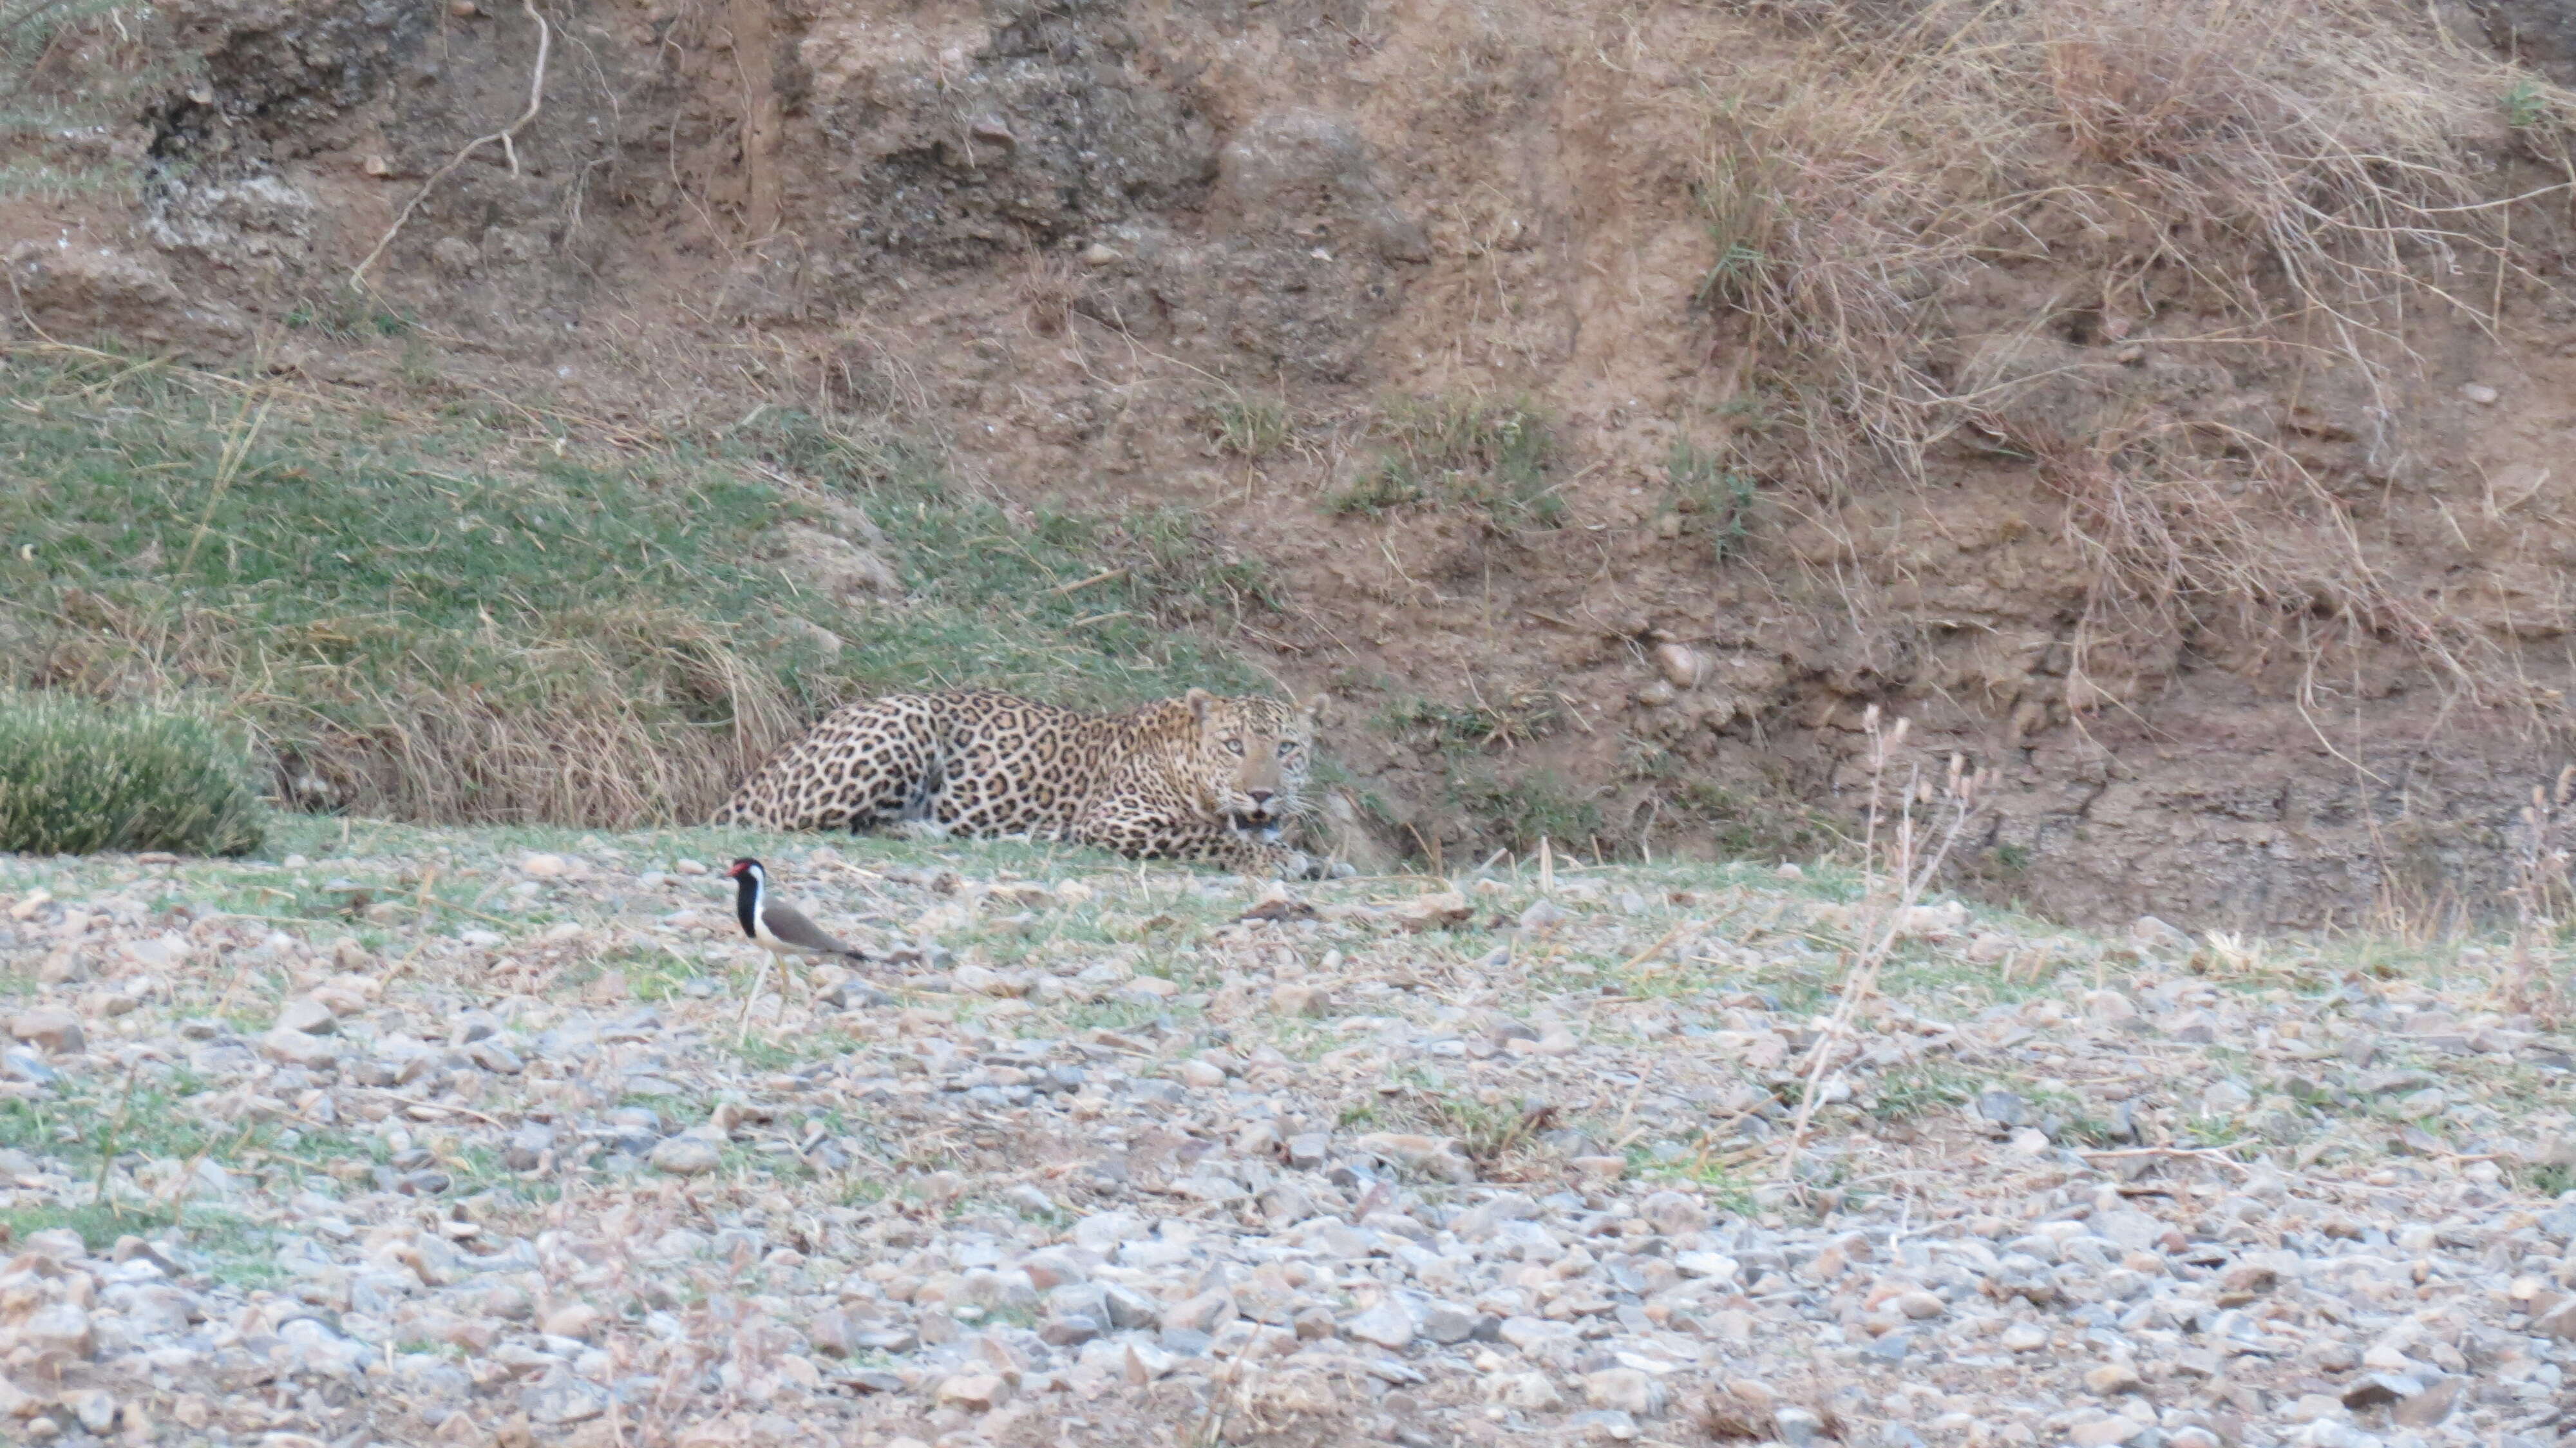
x=749, y=887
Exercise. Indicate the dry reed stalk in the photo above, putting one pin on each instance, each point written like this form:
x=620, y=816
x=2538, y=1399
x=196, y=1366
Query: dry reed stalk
x=1894, y=876
x=2543, y=894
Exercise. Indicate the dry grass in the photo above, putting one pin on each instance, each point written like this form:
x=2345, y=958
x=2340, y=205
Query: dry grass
x=1049, y=286
x=2543, y=896
x=2296, y=179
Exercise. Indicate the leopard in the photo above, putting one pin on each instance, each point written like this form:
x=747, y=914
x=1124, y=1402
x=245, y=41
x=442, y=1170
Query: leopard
x=1202, y=779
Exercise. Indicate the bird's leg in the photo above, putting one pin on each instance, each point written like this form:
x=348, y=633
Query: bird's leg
x=742, y=1028
x=789, y=975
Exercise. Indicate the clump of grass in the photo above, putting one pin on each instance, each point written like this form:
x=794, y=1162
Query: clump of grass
x=1520, y=811
x=1496, y=457
x=2548, y=1179
x=2543, y=897
x=1385, y=487
x=2527, y=104
x=2328, y=161
x=1759, y=819
x=1755, y=823
x=71, y=69
x=1911, y=1089
x=1247, y=426
x=78, y=777
x=1715, y=502
x=462, y=619
x=1465, y=728
x=346, y=315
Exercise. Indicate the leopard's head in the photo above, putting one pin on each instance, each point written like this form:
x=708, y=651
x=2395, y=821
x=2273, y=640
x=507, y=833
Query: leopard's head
x=1252, y=757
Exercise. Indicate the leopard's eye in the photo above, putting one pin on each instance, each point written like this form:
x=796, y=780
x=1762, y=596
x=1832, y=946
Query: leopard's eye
x=1287, y=747
x=1234, y=746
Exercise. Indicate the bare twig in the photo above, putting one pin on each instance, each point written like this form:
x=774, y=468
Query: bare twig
x=507, y=136
x=2205, y=1153
x=444, y=1106
x=1911, y=870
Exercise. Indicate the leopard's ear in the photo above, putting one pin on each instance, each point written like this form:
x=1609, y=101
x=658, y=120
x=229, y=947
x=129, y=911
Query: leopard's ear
x=1318, y=708
x=1200, y=701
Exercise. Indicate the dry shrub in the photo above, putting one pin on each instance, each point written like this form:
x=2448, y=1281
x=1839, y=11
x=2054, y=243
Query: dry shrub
x=1050, y=287
x=76, y=778
x=2543, y=896
x=2311, y=173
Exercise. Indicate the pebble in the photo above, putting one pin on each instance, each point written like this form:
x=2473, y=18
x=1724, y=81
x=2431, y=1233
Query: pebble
x=1795, y=1426
x=1376, y=1161
x=2112, y=1379
x=308, y=1015
x=60, y=1327
x=685, y=1156
x=53, y=1029
x=298, y=1048
x=1388, y=1325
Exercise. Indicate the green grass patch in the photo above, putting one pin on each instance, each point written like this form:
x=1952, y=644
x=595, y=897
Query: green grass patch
x=2547, y=1179
x=1248, y=426
x=99, y=1225
x=1522, y=810
x=1727, y=1191
x=1498, y=457
x=1714, y=502
x=463, y=617
x=1465, y=728
x=78, y=777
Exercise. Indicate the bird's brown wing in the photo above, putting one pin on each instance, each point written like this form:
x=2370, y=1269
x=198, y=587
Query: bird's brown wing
x=790, y=925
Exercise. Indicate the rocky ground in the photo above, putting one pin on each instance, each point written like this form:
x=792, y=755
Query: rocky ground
x=503, y=1137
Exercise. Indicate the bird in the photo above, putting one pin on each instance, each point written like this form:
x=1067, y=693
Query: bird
x=781, y=930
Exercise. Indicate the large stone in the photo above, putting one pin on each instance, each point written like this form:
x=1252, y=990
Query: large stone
x=973, y=1392
x=2558, y=1322
x=1673, y=1214
x=2380, y=1389
x=1205, y=1312
x=296, y=1048
x=1438, y=1157
x=686, y=1156
x=51, y=1027
x=562, y=1399
x=308, y=1015
x=2429, y=1407
x=1434, y=912
x=1715, y=1266
x=837, y=567
x=2109, y=1007
x=1624, y=1390
x=58, y=1327
x=84, y=288
x=1795, y=1426
x=1388, y=1325
x=1447, y=1323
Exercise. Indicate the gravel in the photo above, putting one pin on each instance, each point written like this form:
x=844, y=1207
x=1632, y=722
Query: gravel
x=398, y=1145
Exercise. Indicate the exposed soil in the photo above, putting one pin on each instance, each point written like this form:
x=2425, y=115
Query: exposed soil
x=1192, y=253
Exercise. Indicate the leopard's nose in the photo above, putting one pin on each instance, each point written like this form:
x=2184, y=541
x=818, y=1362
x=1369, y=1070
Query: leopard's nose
x=1259, y=796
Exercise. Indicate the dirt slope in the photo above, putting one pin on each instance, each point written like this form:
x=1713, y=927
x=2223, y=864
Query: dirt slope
x=1443, y=314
